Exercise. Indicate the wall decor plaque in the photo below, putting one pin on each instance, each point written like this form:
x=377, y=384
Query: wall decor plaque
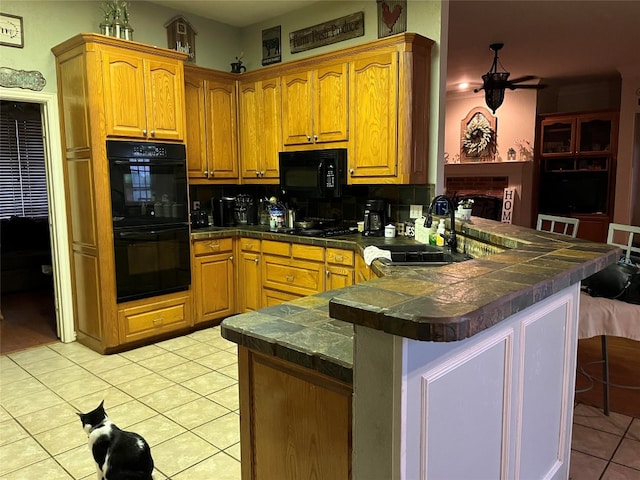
x=478, y=140
x=326, y=33
x=11, y=33
x=392, y=17
x=271, y=46
x=30, y=79
x=181, y=36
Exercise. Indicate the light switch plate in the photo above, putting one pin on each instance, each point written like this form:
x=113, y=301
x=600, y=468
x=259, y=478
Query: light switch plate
x=196, y=205
x=415, y=211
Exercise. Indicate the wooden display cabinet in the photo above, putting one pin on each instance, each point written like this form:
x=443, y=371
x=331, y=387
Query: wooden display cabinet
x=577, y=158
x=211, y=111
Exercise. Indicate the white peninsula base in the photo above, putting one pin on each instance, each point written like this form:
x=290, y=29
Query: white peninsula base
x=498, y=405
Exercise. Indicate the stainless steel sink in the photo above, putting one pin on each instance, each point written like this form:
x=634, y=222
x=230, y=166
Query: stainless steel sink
x=421, y=255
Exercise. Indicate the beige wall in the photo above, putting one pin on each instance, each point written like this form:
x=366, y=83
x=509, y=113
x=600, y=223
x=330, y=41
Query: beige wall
x=627, y=207
x=48, y=23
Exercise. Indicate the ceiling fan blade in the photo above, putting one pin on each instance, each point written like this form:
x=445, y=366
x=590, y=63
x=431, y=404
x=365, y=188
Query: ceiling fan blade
x=535, y=87
x=524, y=78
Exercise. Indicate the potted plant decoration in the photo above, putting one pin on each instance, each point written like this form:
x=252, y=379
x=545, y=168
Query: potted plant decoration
x=464, y=209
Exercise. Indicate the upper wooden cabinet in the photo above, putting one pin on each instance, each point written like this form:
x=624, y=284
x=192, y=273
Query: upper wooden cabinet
x=592, y=134
x=315, y=105
x=389, y=111
x=142, y=95
x=260, y=129
x=211, y=134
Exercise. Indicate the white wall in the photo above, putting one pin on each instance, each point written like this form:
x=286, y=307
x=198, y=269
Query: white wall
x=48, y=23
x=516, y=119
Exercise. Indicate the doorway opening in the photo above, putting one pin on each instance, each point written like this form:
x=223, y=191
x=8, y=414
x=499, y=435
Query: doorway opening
x=54, y=303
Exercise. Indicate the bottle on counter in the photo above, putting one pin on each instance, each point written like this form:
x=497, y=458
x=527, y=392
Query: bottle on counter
x=440, y=233
x=433, y=229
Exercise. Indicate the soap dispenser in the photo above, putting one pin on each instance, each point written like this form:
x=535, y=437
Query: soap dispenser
x=440, y=233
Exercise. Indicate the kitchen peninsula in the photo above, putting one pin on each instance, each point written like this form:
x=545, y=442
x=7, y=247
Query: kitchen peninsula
x=459, y=371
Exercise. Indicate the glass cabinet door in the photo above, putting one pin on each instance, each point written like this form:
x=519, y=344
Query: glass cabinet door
x=595, y=135
x=557, y=136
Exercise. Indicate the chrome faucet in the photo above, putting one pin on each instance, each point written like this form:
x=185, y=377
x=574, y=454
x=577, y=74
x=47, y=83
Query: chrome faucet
x=452, y=242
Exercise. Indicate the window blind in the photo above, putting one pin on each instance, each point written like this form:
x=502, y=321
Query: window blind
x=23, y=182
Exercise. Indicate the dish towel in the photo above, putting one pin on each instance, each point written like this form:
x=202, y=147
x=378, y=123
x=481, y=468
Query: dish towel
x=371, y=252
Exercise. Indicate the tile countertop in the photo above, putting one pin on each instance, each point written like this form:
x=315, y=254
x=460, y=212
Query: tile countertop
x=446, y=303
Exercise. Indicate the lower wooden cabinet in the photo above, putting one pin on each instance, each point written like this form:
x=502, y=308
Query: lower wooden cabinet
x=294, y=422
x=292, y=268
x=249, y=278
x=362, y=270
x=214, y=279
x=593, y=226
x=147, y=318
x=340, y=271
x=274, y=297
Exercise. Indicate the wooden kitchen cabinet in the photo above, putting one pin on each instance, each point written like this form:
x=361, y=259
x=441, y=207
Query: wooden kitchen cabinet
x=292, y=268
x=149, y=318
x=260, y=115
x=214, y=279
x=142, y=95
x=389, y=112
x=112, y=88
x=294, y=420
x=339, y=268
x=211, y=134
x=315, y=105
x=249, y=275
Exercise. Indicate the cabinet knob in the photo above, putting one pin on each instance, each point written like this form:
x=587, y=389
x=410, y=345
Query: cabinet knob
x=231, y=258
x=262, y=173
x=290, y=278
x=256, y=260
x=153, y=133
x=339, y=258
x=248, y=245
x=351, y=171
x=308, y=138
x=315, y=138
x=144, y=132
x=328, y=273
x=157, y=321
x=214, y=246
x=257, y=173
x=206, y=174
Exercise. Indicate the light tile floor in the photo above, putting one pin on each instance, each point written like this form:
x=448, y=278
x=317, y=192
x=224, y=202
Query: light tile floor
x=182, y=396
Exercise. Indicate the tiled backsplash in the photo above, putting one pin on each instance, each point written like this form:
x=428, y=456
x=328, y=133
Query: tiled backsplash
x=349, y=207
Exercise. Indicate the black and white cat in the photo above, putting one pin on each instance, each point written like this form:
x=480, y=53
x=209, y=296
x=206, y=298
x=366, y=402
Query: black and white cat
x=119, y=455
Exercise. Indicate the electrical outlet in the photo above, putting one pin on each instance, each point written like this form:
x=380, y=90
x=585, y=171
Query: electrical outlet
x=415, y=211
x=196, y=205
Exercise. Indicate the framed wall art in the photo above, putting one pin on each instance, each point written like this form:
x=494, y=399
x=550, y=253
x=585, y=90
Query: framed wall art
x=11, y=33
x=271, y=46
x=478, y=136
x=392, y=17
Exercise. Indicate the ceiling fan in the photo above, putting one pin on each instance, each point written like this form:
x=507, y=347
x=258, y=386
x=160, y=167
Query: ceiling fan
x=494, y=82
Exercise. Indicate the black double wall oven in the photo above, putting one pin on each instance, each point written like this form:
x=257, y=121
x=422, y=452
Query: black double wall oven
x=149, y=203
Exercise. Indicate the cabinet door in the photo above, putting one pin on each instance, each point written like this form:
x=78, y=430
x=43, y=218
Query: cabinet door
x=373, y=100
x=363, y=271
x=271, y=125
x=214, y=282
x=249, y=282
x=338, y=277
x=296, y=109
x=250, y=129
x=330, y=103
x=164, y=99
x=196, y=131
x=124, y=103
x=558, y=136
x=595, y=134
x=221, y=130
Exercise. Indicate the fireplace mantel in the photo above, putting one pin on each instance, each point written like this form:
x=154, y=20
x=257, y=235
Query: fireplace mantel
x=519, y=176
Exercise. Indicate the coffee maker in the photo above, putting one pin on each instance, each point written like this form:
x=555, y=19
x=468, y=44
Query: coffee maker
x=223, y=211
x=375, y=217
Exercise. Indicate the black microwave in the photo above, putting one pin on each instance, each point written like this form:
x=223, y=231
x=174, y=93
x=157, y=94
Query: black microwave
x=314, y=173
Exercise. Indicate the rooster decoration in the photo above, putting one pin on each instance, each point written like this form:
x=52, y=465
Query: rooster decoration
x=390, y=17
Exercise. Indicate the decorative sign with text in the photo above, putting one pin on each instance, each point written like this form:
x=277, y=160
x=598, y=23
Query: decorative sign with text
x=507, y=204
x=181, y=36
x=326, y=33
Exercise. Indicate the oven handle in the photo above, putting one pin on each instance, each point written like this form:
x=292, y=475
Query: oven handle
x=142, y=235
x=153, y=162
